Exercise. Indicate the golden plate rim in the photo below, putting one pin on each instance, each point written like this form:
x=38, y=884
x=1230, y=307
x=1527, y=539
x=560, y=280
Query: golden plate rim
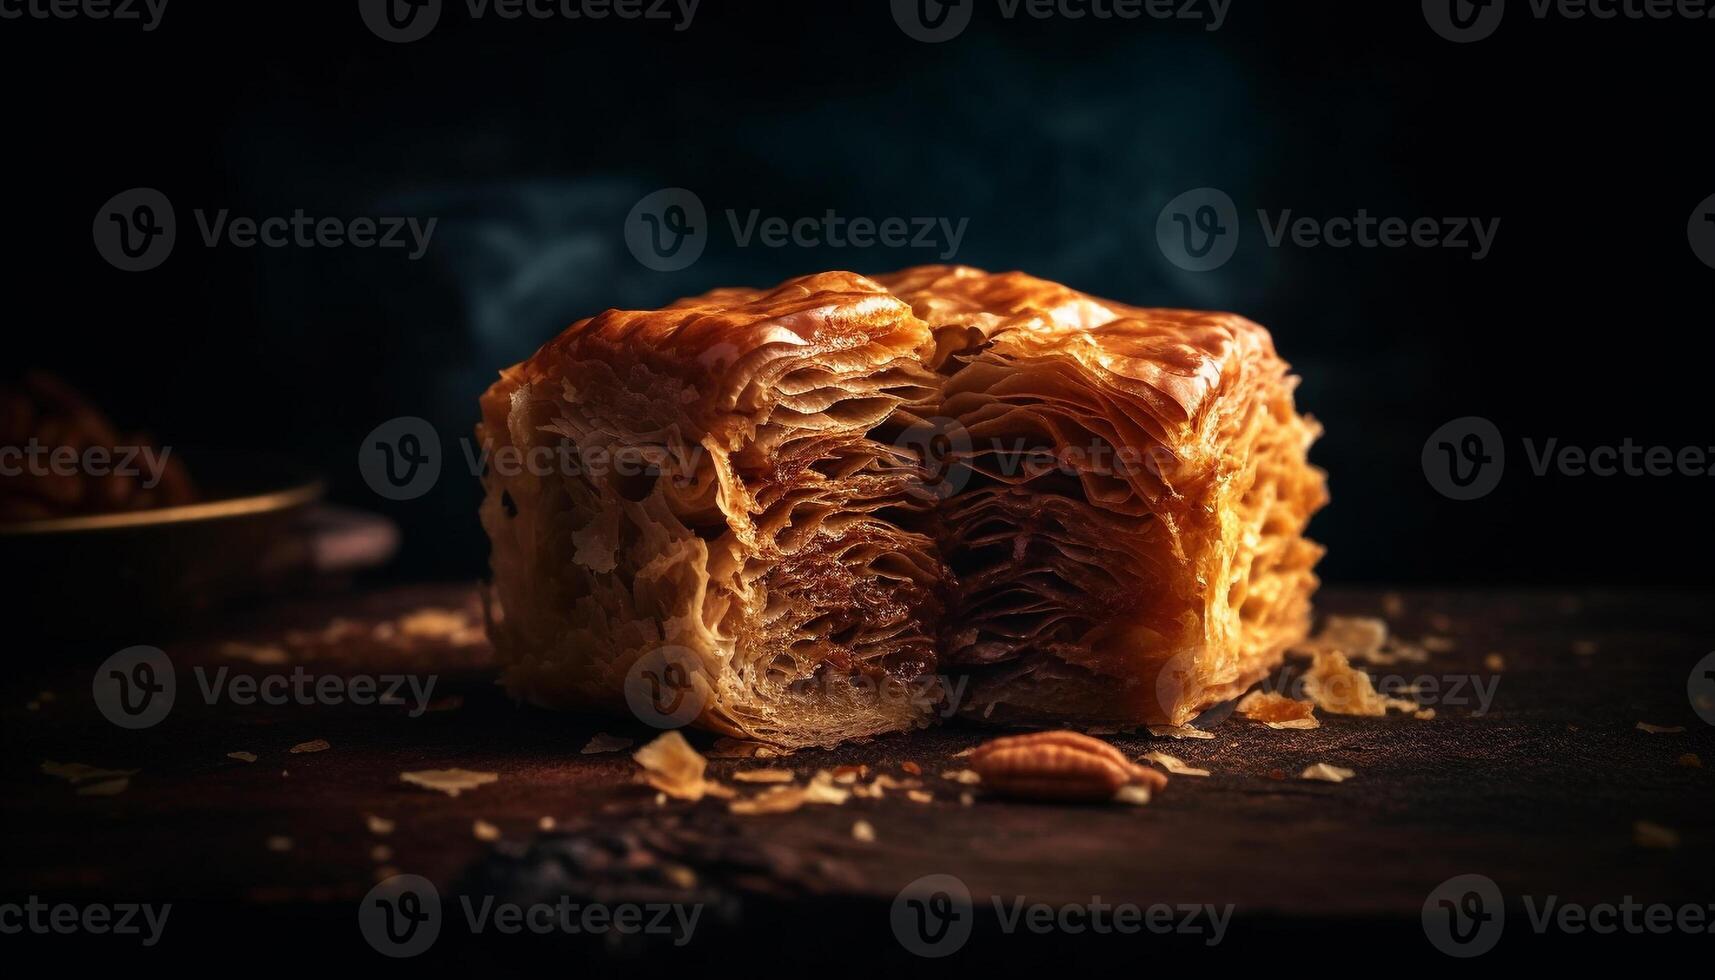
x=272, y=501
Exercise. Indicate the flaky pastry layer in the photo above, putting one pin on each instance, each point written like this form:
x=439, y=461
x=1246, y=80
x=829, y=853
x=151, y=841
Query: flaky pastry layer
x=869, y=502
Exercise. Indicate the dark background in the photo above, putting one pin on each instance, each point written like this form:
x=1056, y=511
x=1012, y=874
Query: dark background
x=1060, y=141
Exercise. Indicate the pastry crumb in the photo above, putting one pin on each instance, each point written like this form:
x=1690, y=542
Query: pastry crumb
x=1180, y=732
x=674, y=768
x=449, y=781
x=1278, y=711
x=1134, y=794
x=603, y=742
x=1326, y=773
x=1654, y=835
x=1174, y=765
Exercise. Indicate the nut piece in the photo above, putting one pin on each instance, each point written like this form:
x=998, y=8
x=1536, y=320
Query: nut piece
x=1058, y=766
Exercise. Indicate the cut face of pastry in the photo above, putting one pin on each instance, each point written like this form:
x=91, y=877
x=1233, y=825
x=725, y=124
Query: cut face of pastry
x=814, y=501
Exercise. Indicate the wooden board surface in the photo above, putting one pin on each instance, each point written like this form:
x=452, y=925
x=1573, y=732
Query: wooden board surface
x=1533, y=773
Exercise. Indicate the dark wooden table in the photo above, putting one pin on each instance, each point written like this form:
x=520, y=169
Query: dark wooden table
x=1540, y=790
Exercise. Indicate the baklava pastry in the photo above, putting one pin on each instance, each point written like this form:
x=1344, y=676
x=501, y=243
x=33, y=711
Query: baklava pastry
x=853, y=505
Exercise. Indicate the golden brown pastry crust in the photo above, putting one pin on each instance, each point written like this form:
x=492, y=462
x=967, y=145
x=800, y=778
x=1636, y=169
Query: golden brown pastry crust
x=783, y=539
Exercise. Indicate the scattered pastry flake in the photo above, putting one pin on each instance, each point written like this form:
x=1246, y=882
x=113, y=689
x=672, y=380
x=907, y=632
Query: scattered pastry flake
x=1644, y=726
x=1326, y=773
x=1135, y=794
x=431, y=622
x=1278, y=711
x=279, y=843
x=313, y=745
x=919, y=796
x=242, y=756
x=379, y=826
x=1494, y=663
x=1424, y=714
x=262, y=654
x=381, y=854
x=603, y=742
x=1393, y=604
x=967, y=750
x=763, y=776
x=1437, y=644
x=1174, y=765
x=1585, y=648
x=1355, y=636
x=1180, y=732
x=876, y=788
x=1361, y=638
x=737, y=748
x=449, y=781
x=546, y=824
x=1654, y=835
x=1689, y=760
x=847, y=775
x=775, y=799
x=90, y=780
x=966, y=799
x=680, y=875
x=1339, y=688
x=968, y=777
x=484, y=831
x=674, y=768
x=912, y=768
x=863, y=832
x=823, y=790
